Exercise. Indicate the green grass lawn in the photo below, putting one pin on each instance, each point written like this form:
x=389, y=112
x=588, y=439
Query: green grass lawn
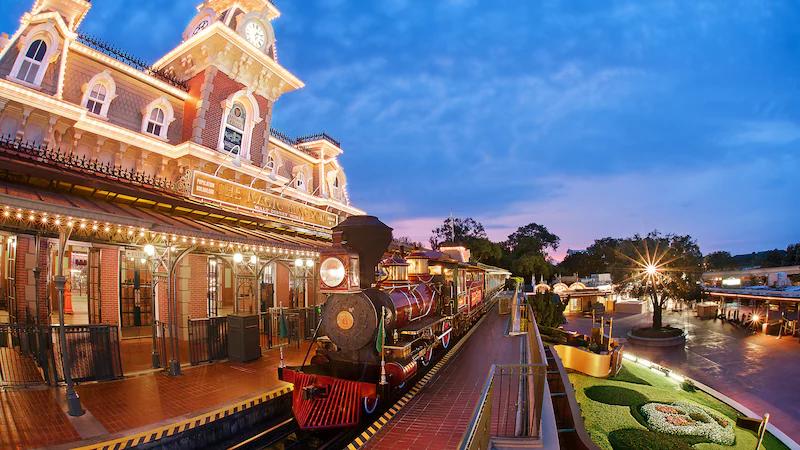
x=610, y=410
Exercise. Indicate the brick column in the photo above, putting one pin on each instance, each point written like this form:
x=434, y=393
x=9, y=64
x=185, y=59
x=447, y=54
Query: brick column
x=43, y=265
x=282, y=285
x=192, y=290
x=109, y=285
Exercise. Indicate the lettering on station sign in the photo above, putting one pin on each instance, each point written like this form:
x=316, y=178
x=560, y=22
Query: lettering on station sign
x=209, y=187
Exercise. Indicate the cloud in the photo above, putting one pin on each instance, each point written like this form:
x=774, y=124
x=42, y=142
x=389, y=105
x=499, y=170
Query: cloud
x=763, y=132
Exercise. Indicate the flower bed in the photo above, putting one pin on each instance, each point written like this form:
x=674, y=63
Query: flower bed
x=687, y=419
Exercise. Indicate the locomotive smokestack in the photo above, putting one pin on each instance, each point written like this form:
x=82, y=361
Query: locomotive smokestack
x=367, y=236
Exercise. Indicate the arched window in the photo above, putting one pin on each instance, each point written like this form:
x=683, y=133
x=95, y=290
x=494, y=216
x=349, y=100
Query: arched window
x=97, y=98
x=155, y=122
x=336, y=191
x=301, y=181
x=32, y=62
x=270, y=163
x=240, y=114
x=98, y=93
x=156, y=117
x=234, y=129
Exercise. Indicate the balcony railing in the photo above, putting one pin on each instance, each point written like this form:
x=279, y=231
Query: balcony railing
x=510, y=406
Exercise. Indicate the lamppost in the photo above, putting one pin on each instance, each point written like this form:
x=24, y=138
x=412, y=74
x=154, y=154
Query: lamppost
x=300, y=272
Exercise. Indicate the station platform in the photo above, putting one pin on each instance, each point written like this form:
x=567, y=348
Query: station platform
x=144, y=408
x=437, y=414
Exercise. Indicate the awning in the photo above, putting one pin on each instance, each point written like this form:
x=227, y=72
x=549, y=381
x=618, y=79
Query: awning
x=30, y=208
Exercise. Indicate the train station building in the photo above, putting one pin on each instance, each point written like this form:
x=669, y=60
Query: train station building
x=160, y=193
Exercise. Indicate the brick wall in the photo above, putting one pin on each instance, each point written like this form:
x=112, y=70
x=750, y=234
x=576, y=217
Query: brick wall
x=221, y=88
x=109, y=285
x=192, y=290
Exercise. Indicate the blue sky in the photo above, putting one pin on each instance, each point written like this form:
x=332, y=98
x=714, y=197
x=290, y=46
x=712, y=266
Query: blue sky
x=592, y=118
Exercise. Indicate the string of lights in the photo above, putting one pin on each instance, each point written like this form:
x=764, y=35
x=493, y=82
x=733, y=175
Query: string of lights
x=129, y=234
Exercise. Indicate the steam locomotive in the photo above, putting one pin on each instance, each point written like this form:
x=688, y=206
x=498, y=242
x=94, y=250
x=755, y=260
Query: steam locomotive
x=425, y=299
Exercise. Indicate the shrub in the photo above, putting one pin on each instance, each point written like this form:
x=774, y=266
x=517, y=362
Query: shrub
x=613, y=395
x=688, y=386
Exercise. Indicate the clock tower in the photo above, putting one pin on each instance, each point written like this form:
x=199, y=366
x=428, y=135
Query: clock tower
x=228, y=59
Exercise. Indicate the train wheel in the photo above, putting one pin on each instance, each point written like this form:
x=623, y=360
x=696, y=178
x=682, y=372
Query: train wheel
x=446, y=339
x=371, y=404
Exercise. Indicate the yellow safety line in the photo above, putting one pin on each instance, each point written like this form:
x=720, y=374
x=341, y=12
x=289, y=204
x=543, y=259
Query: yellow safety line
x=373, y=429
x=158, y=433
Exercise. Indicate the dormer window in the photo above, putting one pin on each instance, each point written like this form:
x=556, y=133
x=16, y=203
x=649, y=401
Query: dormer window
x=234, y=129
x=270, y=164
x=301, y=181
x=32, y=62
x=98, y=93
x=97, y=98
x=156, y=122
x=156, y=118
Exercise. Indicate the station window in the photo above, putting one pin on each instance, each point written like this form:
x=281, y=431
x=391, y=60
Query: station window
x=301, y=181
x=155, y=122
x=97, y=97
x=32, y=62
x=156, y=117
x=234, y=129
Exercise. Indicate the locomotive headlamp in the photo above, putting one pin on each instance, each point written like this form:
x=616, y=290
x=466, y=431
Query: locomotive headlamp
x=332, y=272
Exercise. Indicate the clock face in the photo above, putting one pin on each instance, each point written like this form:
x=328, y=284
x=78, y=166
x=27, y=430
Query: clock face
x=255, y=34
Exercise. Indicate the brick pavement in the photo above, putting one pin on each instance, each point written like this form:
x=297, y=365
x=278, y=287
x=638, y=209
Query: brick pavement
x=438, y=416
x=758, y=371
x=35, y=417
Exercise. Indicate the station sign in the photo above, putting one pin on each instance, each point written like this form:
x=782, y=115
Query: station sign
x=220, y=190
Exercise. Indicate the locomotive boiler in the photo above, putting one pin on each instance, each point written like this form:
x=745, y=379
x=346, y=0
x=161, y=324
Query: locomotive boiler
x=384, y=318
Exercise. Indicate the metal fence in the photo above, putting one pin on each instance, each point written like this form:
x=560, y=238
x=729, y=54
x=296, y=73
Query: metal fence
x=299, y=323
x=21, y=361
x=31, y=354
x=160, y=354
x=93, y=352
x=208, y=339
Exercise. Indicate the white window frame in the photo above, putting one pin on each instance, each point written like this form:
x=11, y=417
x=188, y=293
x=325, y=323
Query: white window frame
x=169, y=115
x=337, y=193
x=104, y=79
x=277, y=163
x=300, y=182
x=253, y=117
x=47, y=34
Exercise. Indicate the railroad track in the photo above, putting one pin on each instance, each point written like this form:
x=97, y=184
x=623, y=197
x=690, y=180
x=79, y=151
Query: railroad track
x=285, y=435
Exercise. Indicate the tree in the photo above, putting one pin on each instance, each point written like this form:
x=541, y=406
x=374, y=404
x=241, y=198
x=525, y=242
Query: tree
x=719, y=261
x=526, y=250
x=660, y=267
x=792, y=256
x=532, y=263
x=772, y=258
x=548, y=308
x=532, y=238
x=485, y=251
x=455, y=229
x=408, y=242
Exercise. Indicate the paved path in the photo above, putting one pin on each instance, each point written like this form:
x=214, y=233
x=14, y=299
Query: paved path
x=438, y=416
x=761, y=372
x=36, y=417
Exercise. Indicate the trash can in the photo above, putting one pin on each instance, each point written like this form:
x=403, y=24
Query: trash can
x=243, y=340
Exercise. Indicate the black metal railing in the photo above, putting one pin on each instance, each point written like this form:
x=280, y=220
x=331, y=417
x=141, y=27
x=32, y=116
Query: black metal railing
x=23, y=355
x=316, y=137
x=39, y=153
x=160, y=353
x=126, y=58
x=208, y=339
x=93, y=352
x=302, y=139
